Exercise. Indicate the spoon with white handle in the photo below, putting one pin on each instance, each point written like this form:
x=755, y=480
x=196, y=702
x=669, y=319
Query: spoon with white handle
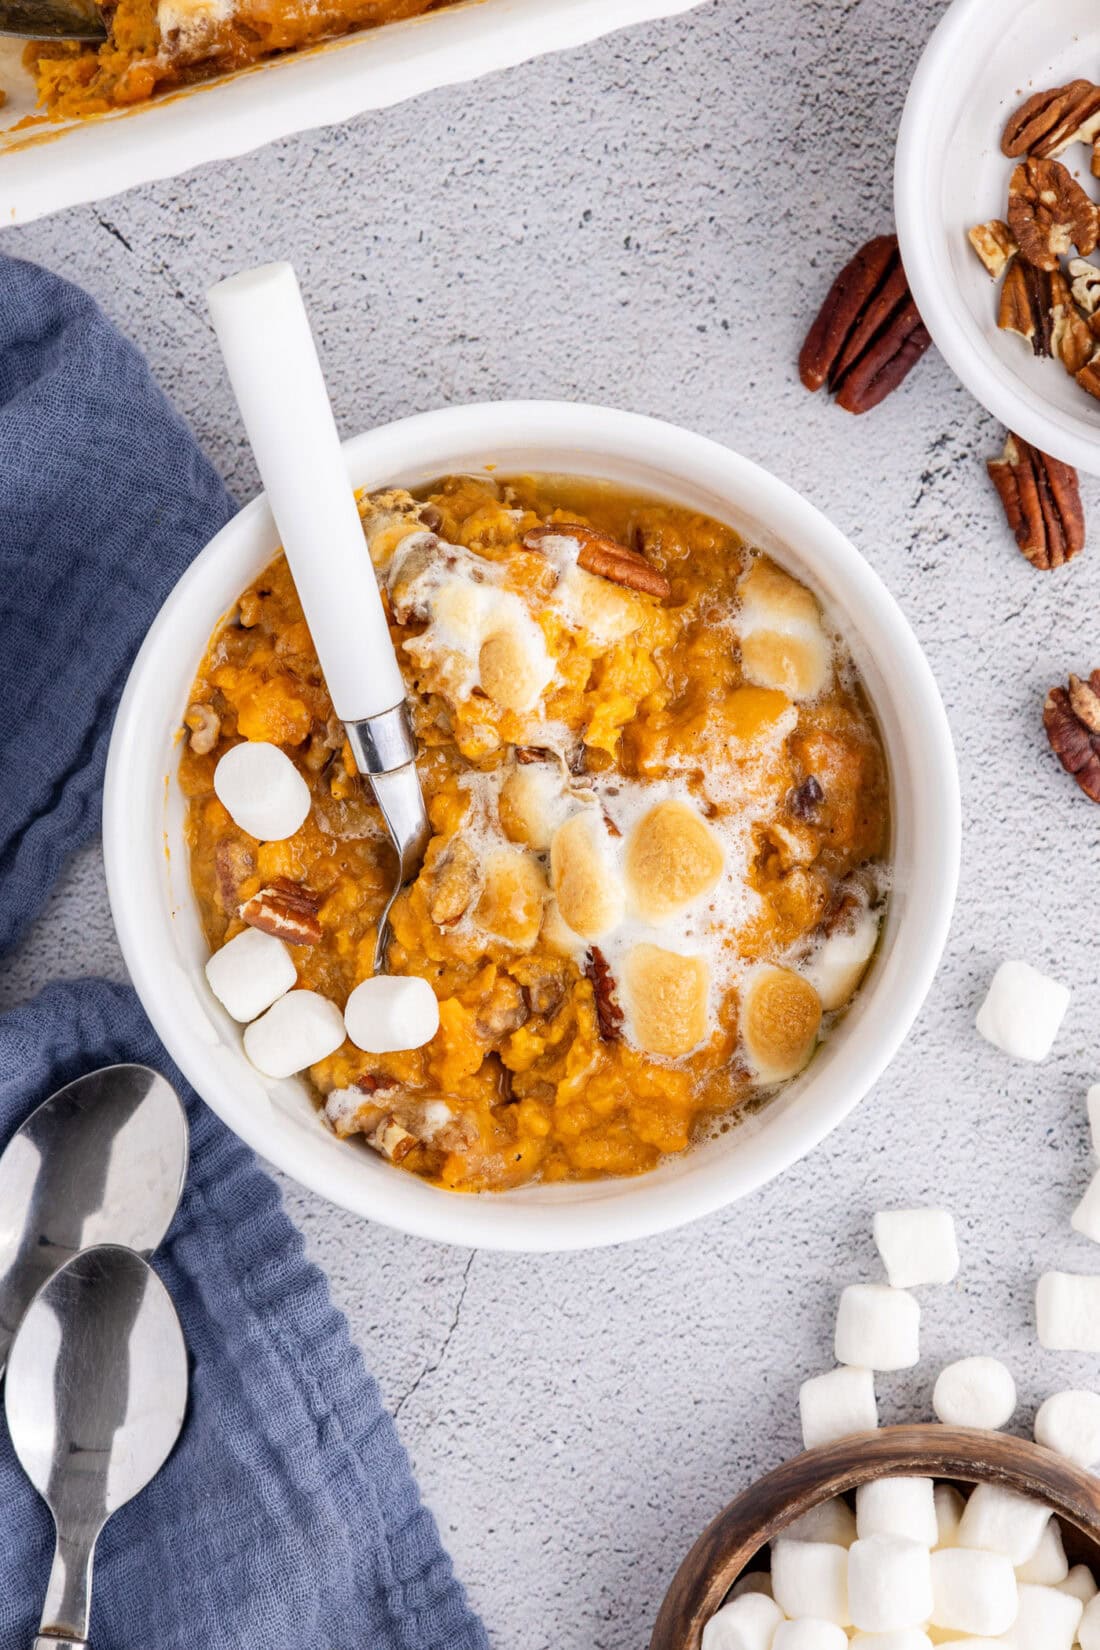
x=264, y=333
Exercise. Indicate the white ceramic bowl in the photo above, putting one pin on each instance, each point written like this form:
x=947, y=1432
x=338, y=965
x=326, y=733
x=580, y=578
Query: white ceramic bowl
x=156, y=916
x=984, y=58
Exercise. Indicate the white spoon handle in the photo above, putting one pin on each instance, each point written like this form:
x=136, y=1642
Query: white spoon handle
x=264, y=333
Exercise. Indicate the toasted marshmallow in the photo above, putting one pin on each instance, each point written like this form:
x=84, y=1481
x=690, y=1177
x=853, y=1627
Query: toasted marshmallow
x=606, y=611
x=671, y=859
x=588, y=889
x=514, y=668
x=780, y=1016
x=783, y=642
x=532, y=804
x=261, y=790
x=512, y=898
x=665, y=996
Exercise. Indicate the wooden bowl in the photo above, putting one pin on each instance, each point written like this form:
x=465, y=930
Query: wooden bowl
x=960, y=1455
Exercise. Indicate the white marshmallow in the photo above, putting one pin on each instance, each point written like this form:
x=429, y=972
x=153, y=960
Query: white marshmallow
x=877, y=1327
x=1092, y=1100
x=391, y=1012
x=1067, y=1307
x=261, y=790
x=908, y=1638
x=889, y=1582
x=837, y=1404
x=949, y=1510
x=973, y=1592
x=1086, y=1217
x=917, y=1246
x=300, y=1029
x=250, y=973
x=1069, y=1423
x=1088, y=1630
x=839, y=963
x=1080, y=1583
x=974, y=1392
x=809, y=1634
x=1023, y=1011
x=832, y=1521
x=810, y=1578
x=1048, y=1564
x=745, y=1623
x=897, y=1506
x=1001, y=1521
x=1045, y=1619
x=753, y=1581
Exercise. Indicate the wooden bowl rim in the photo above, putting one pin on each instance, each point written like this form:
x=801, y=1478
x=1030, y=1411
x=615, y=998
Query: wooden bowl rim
x=925, y=1450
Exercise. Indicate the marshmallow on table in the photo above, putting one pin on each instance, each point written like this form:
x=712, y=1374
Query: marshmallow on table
x=1086, y=1217
x=745, y=1623
x=1045, y=1619
x=1092, y=1100
x=949, y=1510
x=809, y=1634
x=1002, y=1521
x=1067, y=1308
x=297, y=1031
x=1023, y=1011
x=391, y=1012
x=877, y=1327
x=974, y=1392
x=906, y=1638
x=837, y=1404
x=889, y=1582
x=1080, y=1583
x=897, y=1506
x=832, y=1521
x=1088, y=1630
x=250, y=973
x=917, y=1246
x=810, y=1578
x=973, y=1592
x=1069, y=1424
x=261, y=790
x=1048, y=1564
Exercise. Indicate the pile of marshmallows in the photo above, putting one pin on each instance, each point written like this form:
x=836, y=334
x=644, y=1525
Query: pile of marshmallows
x=254, y=977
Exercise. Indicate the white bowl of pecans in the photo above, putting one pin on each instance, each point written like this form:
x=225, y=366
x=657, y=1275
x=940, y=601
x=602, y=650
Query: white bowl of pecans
x=997, y=199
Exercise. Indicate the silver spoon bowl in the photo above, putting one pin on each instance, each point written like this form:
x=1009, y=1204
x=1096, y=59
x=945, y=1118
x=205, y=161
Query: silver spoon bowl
x=52, y=20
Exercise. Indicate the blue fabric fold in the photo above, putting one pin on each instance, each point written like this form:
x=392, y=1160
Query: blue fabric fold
x=288, y=1517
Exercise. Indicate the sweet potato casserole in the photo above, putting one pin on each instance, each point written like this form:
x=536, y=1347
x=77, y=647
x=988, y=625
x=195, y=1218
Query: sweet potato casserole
x=660, y=818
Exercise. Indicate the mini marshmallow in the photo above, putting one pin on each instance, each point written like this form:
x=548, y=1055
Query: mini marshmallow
x=810, y=1578
x=1080, y=1583
x=917, y=1246
x=250, y=973
x=898, y=1506
x=908, y=1638
x=889, y=1582
x=1086, y=1217
x=1092, y=1101
x=1069, y=1423
x=809, y=1634
x=261, y=790
x=877, y=1327
x=1067, y=1307
x=1001, y=1521
x=974, y=1592
x=1048, y=1564
x=1023, y=1011
x=753, y=1581
x=832, y=1521
x=1088, y=1630
x=974, y=1392
x=745, y=1623
x=836, y=1405
x=391, y=1012
x=1045, y=1619
x=297, y=1031
x=949, y=1510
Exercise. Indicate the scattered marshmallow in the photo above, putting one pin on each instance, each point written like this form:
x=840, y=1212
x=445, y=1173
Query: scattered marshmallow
x=897, y=1506
x=391, y=1012
x=1086, y=1217
x=1048, y=1564
x=809, y=1634
x=889, y=1581
x=909, y=1638
x=973, y=1592
x=1088, y=1631
x=831, y=1520
x=297, y=1031
x=877, y=1327
x=836, y=1405
x=1002, y=1521
x=250, y=973
x=949, y=1510
x=745, y=1623
x=917, y=1246
x=1080, y=1583
x=1069, y=1423
x=1092, y=1100
x=1045, y=1619
x=1022, y=1011
x=974, y=1392
x=261, y=790
x=753, y=1581
x=810, y=1578
x=1068, y=1311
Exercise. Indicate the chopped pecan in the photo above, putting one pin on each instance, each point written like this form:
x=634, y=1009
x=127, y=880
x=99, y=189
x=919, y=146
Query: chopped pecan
x=604, y=556
x=994, y=243
x=502, y=1012
x=1050, y=121
x=1089, y=378
x=233, y=864
x=392, y=1139
x=1072, y=341
x=1071, y=717
x=805, y=800
x=1025, y=306
x=454, y=884
x=545, y=996
x=609, y=1016
x=868, y=333
x=1085, y=286
x=1048, y=212
x=324, y=742
x=205, y=725
x=286, y=910
x=1041, y=501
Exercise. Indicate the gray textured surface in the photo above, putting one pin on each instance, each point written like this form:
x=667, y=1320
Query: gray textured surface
x=651, y=223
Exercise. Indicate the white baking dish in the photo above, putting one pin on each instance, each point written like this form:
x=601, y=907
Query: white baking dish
x=48, y=167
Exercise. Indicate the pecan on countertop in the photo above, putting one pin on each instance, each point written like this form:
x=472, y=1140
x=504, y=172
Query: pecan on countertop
x=287, y=910
x=1042, y=502
x=868, y=333
x=604, y=556
x=1071, y=717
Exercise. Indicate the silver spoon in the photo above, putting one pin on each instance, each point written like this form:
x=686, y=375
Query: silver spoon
x=95, y=1399
x=100, y=1161
x=52, y=19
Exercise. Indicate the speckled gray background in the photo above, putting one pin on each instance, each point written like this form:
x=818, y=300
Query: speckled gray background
x=651, y=222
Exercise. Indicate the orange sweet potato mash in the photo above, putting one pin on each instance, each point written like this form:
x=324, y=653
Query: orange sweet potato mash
x=659, y=805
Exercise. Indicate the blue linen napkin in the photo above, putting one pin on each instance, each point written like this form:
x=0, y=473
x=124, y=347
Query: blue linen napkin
x=288, y=1517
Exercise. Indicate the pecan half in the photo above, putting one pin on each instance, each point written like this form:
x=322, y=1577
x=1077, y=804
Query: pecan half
x=1071, y=717
x=604, y=556
x=1025, y=306
x=1041, y=501
x=868, y=333
x=1050, y=121
x=994, y=243
x=205, y=725
x=391, y=1139
x=609, y=1016
x=285, y=909
x=1071, y=341
x=1048, y=212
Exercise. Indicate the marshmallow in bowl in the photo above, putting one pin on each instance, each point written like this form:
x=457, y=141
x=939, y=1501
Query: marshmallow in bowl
x=1080, y=1583
x=1045, y=1618
x=297, y=1031
x=780, y=1019
x=1048, y=1564
x=973, y=1593
x=837, y=1404
x=949, y=1510
x=907, y=1638
x=748, y=1622
x=809, y=1633
x=877, y=1327
x=1069, y=1424
x=889, y=1582
x=810, y=1578
x=783, y=642
x=1067, y=1309
x=832, y=1521
x=249, y=973
x=997, y=1520
x=897, y=1506
x=1088, y=1631
x=917, y=1246
x=261, y=790
x=974, y=1392
x=391, y=1012
x=840, y=961
x=1022, y=1011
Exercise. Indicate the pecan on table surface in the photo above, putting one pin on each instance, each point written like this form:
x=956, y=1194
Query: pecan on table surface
x=285, y=909
x=1071, y=717
x=1048, y=122
x=1049, y=212
x=868, y=333
x=1042, y=502
x=604, y=556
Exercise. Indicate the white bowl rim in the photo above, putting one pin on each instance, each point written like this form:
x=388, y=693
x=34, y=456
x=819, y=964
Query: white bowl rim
x=500, y=1220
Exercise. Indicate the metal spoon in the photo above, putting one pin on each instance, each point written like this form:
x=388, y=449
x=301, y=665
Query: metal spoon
x=102, y=1160
x=52, y=19
x=95, y=1399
